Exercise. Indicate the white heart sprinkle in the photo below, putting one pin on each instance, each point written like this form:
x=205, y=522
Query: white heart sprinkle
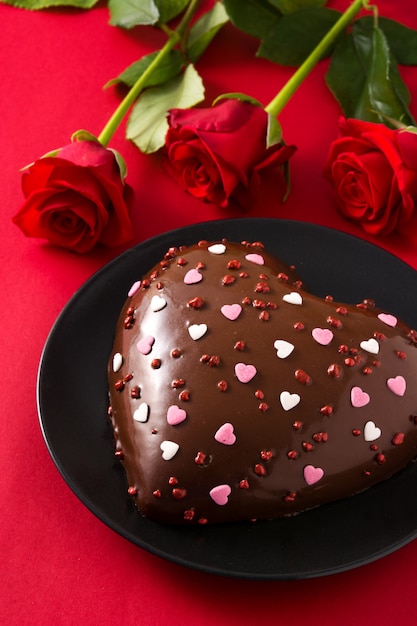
x=217, y=248
x=293, y=298
x=197, y=331
x=169, y=449
x=283, y=348
x=371, y=432
x=289, y=400
x=142, y=413
x=158, y=303
x=371, y=345
x=117, y=361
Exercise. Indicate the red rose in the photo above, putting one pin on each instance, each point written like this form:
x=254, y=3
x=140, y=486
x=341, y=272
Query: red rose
x=220, y=152
x=75, y=198
x=374, y=172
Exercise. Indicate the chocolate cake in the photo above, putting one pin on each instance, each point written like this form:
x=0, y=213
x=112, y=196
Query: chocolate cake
x=237, y=395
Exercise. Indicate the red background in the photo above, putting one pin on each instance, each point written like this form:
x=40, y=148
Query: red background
x=59, y=564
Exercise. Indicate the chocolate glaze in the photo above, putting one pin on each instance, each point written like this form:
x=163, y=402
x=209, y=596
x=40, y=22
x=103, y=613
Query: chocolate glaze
x=283, y=460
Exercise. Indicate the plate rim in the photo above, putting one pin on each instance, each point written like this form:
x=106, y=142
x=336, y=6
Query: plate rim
x=138, y=541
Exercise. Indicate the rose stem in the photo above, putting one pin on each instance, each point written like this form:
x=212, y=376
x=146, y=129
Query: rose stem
x=174, y=37
x=282, y=98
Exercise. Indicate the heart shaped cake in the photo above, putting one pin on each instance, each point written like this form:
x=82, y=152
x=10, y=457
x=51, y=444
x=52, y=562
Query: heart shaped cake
x=237, y=395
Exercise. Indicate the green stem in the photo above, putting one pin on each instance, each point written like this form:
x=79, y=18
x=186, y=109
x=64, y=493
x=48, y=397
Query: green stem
x=282, y=98
x=174, y=37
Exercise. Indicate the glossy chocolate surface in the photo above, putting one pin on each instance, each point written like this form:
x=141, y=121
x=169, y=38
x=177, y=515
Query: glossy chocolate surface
x=273, y=405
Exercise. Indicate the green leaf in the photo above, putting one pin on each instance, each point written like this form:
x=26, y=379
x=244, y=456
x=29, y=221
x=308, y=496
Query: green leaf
x=294, y=36
x=255, y=17
x=130, y=13
x=168, y=68
x=237, y=95
x=168, y=9
x=289, y=6
x=35, y=5
x=83, y=135
x=204, y=30
x=147, y=125
x=274, y=131
x=346, y=76
x=401, y=39
x=364, y=77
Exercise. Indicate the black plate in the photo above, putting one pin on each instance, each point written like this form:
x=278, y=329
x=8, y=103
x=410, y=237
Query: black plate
x=72, y=403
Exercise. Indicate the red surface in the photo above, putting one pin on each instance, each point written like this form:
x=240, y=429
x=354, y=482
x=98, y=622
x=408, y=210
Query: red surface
x=59, y=564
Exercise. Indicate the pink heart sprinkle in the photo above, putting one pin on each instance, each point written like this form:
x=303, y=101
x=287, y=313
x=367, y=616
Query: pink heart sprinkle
x=145, y=344
x=225, y=434
x=134, y=288
x=175, y=415
x=231, y=311
x=358, y=397
x=244, y=372
x=397, y=385
x=192, y=277
x=313, y=474
x=255, y=258
x=220, y=494
x=389, y=320
x=323, y=336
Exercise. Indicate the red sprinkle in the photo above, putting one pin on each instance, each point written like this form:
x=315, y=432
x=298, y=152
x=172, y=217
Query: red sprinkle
x=264, y=316
x=292, y=454
x=240, y=345
x=334, y=322
x=398, y=439
x=234, y=264
x=321, y=437
x=342, y=310
x=196, y=303
x=259, y=394
x=307, y=446
x=222, y=385
x=290, y=497
x=157, y=493
x=119, y=385
x=189, y=515
x=367, y=370
x=176, y=353
x=184, y=396
x=132, y=491
x=266, y=455
x=214, y=361
x=177, y=383
x=259, y=469
x=228, y=280
x=299, y=326
x=400, y=354
x=302, y=377
x=283, y=277
x=200, y=458
x=156, y=364
x=297, y=425
x=356, y=432
x=178, y=493
x=263, y=406
x=334, y=371
x=244, y=484
x=262, y=288
x=327, y=410
x=173, y=481
x=380, y=458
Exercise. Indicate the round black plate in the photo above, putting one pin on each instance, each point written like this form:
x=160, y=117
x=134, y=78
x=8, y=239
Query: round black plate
x=72, y=404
